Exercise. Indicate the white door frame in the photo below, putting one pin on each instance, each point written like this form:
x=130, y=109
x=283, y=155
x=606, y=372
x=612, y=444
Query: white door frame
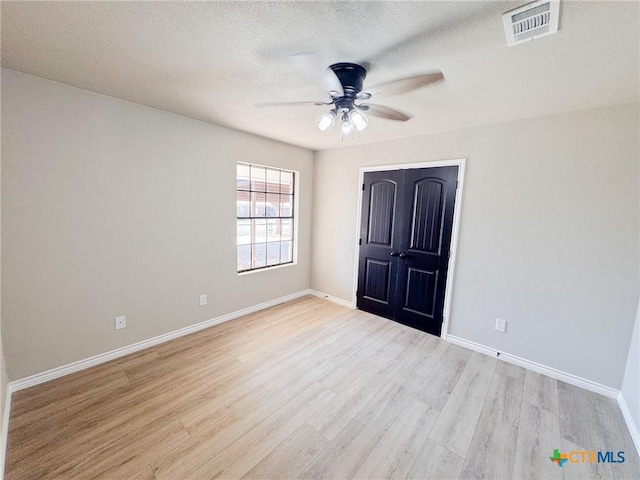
x=453, y=248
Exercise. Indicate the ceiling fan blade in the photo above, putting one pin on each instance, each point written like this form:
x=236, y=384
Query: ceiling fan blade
x=332, y=82
x=308, y=63
x=285, y=104
x=312, y=66
x=404, y=85
x=385, y=112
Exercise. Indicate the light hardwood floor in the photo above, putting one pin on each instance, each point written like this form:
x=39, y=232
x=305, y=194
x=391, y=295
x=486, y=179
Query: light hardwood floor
x=309, y=389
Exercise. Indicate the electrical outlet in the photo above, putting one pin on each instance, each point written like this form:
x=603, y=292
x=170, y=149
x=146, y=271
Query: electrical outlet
x=501, y=325
x=120, y=322
x=203, y=300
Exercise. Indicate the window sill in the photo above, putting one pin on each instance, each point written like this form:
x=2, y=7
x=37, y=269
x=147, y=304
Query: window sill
x=267, y=269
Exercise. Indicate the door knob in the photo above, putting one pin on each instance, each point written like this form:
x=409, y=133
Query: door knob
x=403, y=255
x=396, y=254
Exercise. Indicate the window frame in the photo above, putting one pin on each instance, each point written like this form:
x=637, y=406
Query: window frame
x=293, y=217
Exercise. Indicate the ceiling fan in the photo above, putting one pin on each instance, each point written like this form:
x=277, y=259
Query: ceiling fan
x=345, y=82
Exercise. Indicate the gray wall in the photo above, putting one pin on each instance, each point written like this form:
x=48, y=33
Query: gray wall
x=4, y=381
x=631, y=382
x=111, y=208
x=548, y=235
x=4, y=378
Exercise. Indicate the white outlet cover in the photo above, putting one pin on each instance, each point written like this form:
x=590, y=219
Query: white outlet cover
x=120, y=322
x=203, y=300
x=501, y=325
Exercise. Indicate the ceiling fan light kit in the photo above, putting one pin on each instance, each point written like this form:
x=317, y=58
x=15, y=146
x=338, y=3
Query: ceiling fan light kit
x=351, y=121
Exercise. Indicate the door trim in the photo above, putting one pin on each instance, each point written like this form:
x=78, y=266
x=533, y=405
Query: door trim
x=460, y=163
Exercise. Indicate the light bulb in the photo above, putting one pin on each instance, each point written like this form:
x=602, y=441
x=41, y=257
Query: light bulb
x=326, y=121
x=346, y=128
x=358, y=119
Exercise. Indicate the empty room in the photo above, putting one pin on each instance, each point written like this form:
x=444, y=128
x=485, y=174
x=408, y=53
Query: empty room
x=320, y=239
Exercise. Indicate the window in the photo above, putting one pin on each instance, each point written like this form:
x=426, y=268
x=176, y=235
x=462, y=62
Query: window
x=265, y=207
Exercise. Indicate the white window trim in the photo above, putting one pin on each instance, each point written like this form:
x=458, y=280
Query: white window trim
x=296, y=213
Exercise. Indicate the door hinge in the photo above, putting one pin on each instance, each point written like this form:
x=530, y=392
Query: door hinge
x=360, y=242
x=363, y=187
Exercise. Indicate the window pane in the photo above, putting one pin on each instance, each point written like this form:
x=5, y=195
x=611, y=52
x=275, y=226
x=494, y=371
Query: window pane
x=264, y=195
x=243, y=203
x=273, y=229
x=243, y=177
x=286, y=208
x=286, y=252
x=286, y=232
x=273, y=205
x=258, y=204
x=258, y=178
x=259, y=255
x=273, y=253
x=286, y=182
x=273, y=180
x=259, y=231
x=244, y=257
x=244, y=232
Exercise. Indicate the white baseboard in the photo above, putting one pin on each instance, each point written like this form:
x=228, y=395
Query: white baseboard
x=121, y=352
x=337, y=300
x=631, y=425
x=4, y=435
x=537, y=367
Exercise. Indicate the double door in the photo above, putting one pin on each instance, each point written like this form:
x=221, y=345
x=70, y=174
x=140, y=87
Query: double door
x=405, y=237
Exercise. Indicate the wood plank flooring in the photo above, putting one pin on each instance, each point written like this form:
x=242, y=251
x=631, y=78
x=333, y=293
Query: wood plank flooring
x=311, y=390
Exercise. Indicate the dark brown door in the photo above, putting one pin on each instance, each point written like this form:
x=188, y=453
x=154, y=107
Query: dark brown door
x=407, y=219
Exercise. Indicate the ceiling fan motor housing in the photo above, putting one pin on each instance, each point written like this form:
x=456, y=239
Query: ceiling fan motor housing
x=351, y=77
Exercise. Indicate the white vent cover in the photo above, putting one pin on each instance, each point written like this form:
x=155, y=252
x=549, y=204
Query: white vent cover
x=530, y=21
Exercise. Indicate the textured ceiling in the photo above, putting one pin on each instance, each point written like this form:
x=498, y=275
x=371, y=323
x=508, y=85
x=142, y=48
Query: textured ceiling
x=213, y=60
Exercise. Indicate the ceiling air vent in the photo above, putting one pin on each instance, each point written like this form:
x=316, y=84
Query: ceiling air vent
x=530, y=21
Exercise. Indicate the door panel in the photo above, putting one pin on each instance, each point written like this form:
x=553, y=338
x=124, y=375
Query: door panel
x=421, y=292
x=381, y=212
x=377, y=281
x=426, y=221
x=377, y=272
x=405, y=241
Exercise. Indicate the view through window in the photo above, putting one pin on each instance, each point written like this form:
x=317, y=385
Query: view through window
x=264, y=200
